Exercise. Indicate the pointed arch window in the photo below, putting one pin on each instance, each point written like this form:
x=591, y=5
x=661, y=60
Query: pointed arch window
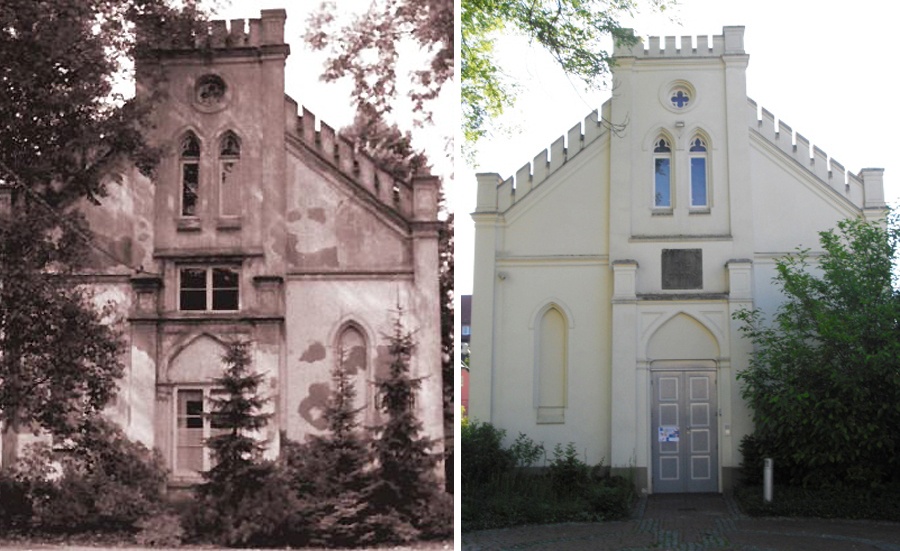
x=699, y=173
x=353, y=358
x=662, y=174
x=229, y=175
x=190, y=174
x=552, y=359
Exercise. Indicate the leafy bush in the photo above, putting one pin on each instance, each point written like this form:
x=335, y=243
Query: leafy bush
x=499, y=490
x=823, y=381
x=568, y=472
x=484, y=459
x=845, y=503
x=160, y=530
x=105, y=482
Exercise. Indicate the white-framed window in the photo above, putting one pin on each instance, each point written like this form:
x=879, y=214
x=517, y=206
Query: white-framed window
x=190, y=175
x=699, y=173
x=193, y=427
x=229, y=175
x=208, y=288
x=662, y=174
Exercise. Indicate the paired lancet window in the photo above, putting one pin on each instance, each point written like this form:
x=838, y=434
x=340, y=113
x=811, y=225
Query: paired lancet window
x=229, y=184
x=663, y=171
x=190, y=174
x=697, y=154
x=662, y=174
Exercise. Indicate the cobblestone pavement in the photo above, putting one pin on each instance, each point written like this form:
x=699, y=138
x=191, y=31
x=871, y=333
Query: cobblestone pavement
x=692, y=522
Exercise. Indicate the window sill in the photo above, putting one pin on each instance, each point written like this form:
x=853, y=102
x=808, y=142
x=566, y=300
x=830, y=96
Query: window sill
x=550, y=416
x=228, y=223
x=661, y=211
x=700, y=210
x=188, y=224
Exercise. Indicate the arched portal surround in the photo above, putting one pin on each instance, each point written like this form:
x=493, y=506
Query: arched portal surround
x=675, y=342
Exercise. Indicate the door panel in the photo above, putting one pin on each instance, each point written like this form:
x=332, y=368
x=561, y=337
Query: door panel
x=685, y=447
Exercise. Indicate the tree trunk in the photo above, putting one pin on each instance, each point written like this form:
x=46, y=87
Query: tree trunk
x=9, y=444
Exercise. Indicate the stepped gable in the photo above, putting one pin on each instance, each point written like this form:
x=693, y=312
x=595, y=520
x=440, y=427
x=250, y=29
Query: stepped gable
x=264, y=36
x=345, y=157
x=828, y=171
x=545, y=163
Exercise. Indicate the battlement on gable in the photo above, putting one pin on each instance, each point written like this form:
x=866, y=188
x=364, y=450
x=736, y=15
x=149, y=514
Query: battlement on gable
x=864, y=190
x=415, y=200
x=731, y=41
x=501, y=196
x=220, y=34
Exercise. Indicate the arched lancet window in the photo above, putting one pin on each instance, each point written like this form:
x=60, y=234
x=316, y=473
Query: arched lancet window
x=552, y=360
x=190, y=174
x=699, y=173
x=662, y=173
x=229, y=175
x=353, y=357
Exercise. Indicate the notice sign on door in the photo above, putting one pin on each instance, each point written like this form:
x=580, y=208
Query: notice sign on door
x=668, y=433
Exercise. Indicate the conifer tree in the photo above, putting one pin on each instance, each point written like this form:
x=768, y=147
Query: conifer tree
x=235, y=451
x=339, y=463
x=406, y=480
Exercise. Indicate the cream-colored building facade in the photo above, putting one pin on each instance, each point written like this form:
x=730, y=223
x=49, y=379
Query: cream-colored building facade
x=607, y=270
x=262, y=224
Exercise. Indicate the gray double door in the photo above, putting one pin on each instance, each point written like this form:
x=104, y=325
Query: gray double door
x=684, y=432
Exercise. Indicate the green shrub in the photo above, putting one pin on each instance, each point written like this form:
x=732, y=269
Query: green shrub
x=484, y=458
x=499, y=491
x=845, y=503
x=160, y=530
x=105, y=482
x=567, y=471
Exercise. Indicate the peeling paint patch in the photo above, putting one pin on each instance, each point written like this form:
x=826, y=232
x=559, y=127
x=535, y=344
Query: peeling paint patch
x=314, y=353
x=317, y=214
x=312, y=408
x=383, y=361
x=323, y=258
x=294, y=215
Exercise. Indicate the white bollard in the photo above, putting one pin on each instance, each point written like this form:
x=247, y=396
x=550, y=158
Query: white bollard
x=768, y=469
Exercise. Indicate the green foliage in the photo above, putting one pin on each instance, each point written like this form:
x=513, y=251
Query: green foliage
x=160, y=530
x=59, y=354
x=405, y=478
x=568, y=472
x=235, y=503
x=62, y=130
x=843, y=503
x=365, y=50
x=484, y=459
x=824, y=383
x=104, y=481
x=500, y=487
x=572, y=31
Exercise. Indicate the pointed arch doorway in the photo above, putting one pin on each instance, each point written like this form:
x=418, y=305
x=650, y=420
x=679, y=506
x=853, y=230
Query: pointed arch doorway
x=684, y=408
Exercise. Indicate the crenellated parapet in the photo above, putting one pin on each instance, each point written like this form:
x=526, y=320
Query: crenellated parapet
x=731, y=41
x=533, y=174
x=265, y=32
x=346, y=157
x=863, y=190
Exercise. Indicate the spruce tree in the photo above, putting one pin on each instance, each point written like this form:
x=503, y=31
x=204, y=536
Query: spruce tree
x=340, y=467
x=405, y=476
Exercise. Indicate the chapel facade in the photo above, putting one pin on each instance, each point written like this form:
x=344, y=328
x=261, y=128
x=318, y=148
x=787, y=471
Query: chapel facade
x=259, y=224
x=607, y=270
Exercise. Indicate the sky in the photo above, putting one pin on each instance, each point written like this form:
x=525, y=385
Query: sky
x=825, y=68
x=331, y=101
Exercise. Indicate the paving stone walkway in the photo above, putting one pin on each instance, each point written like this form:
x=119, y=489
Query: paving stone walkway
x=692, y=522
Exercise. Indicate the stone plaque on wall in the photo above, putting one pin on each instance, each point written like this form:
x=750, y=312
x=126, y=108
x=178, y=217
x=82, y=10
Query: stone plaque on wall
x=682, y=269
